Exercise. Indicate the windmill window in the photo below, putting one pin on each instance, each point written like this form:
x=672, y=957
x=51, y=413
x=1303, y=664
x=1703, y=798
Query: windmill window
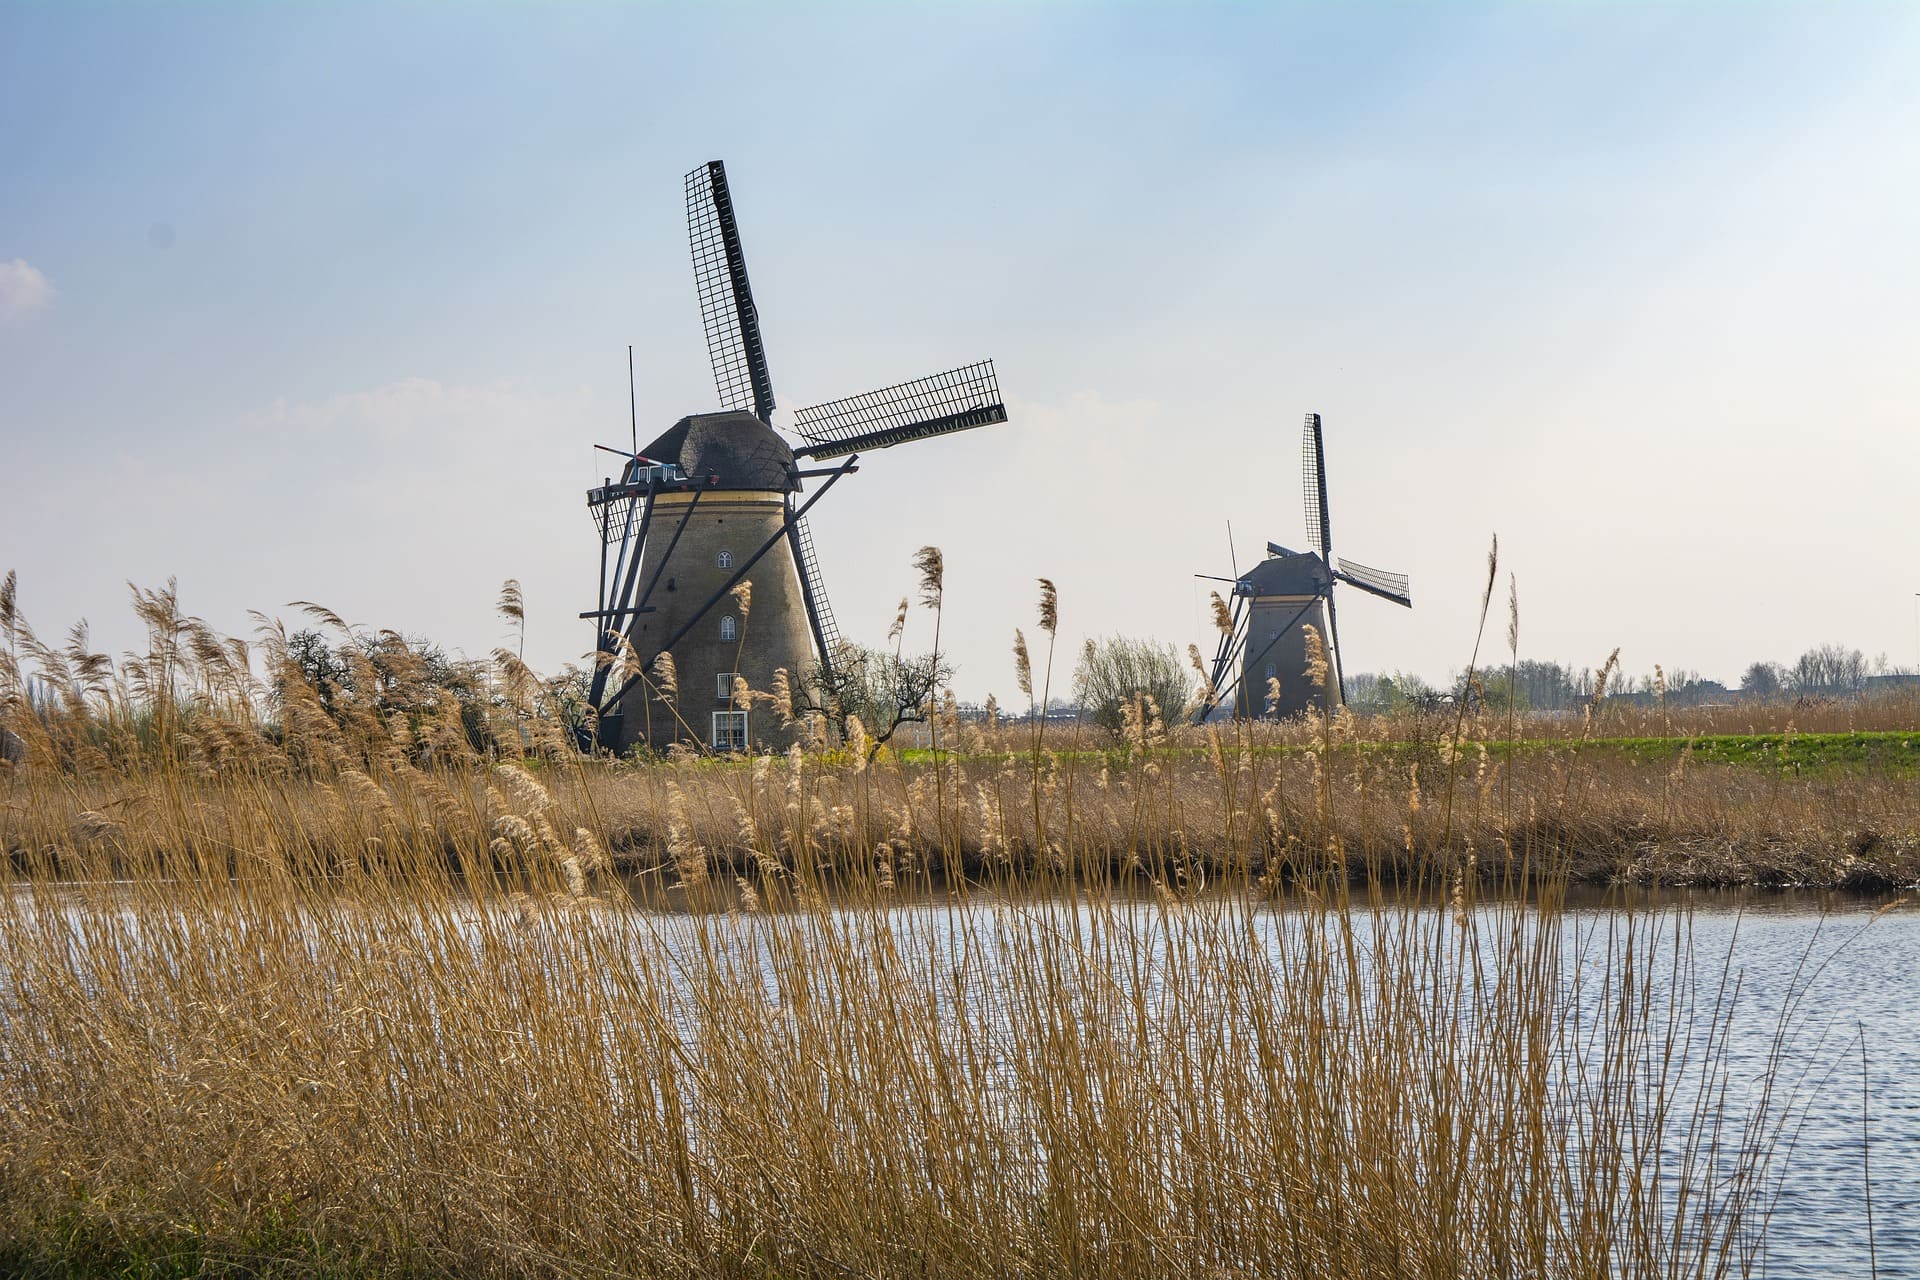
x=723, y=685
x=724, y=560
x=729, y=731
x=1269, y=671
x=729, y=629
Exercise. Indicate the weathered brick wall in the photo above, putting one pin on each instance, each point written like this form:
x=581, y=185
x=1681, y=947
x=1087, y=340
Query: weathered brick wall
x=773, y=634
x=1286, y=657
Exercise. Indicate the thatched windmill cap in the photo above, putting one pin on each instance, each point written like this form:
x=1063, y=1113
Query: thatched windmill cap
x=1301, y=574
x=744, y=452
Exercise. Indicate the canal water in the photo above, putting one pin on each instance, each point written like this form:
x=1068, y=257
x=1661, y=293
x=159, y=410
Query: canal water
x=1843, y=980
x=1824, y=987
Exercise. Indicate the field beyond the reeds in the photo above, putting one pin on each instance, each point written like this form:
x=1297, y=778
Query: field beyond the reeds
x=208, y=751
x=304, y=978
x=1834, y=810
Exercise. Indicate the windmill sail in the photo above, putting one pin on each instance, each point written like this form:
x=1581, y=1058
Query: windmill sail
x=826, y=632
x=1338, y=672
x=726, y=299
x=1313, y=475
x=956, y=400
x=1379, y=582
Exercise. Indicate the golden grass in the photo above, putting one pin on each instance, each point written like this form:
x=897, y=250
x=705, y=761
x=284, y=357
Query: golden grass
x=263, y=763
x=399, y=1069
x=333, y=991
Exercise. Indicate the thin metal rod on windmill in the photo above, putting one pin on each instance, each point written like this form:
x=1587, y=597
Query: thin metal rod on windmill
x=1221, y=657
x=618, y=609
x=1333, y=633
x=672, y=542
x=612, y=616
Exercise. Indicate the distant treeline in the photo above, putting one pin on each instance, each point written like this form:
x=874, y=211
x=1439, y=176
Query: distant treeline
x=1825, y=671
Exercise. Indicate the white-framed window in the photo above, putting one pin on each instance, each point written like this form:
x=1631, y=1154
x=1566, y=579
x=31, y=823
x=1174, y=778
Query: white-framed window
x=724, y=560
x=729, y=731
x=723, y=685
x=729, y=629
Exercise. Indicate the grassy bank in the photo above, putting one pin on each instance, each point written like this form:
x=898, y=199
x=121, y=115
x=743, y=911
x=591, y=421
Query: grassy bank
x=210, y=751
x=1833, y=811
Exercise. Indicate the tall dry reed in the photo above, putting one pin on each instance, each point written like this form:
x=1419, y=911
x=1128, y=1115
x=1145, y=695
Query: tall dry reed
x=356, y=985
x=523, y=1071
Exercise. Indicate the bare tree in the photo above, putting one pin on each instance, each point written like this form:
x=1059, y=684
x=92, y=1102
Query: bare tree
x=884, y=690
x=1831, y=670
x=1113, y=670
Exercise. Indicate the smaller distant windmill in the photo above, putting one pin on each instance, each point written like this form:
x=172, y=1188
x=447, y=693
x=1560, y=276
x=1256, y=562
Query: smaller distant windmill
x=1276, y=600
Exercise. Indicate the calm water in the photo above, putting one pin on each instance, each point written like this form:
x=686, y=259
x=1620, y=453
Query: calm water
x=1855, y=976
x=1817, y=979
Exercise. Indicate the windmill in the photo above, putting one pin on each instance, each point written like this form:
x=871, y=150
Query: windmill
x=715, y=502
x=1275, y=601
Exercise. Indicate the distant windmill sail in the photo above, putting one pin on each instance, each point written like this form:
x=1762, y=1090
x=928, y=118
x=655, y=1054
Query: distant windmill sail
x=1381, y=582
x=1313, y=473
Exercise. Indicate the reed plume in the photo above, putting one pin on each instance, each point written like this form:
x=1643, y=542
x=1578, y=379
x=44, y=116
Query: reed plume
x=932, y=567
x=666, y=678
x=782, y=691
x=1222, y=616
x=1316, y=670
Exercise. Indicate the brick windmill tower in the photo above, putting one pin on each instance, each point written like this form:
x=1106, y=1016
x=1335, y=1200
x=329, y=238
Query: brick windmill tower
x=1278, y=599
x=721, y=499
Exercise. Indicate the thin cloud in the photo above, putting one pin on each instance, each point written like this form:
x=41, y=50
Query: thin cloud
x=24, y=289
x=426, y=409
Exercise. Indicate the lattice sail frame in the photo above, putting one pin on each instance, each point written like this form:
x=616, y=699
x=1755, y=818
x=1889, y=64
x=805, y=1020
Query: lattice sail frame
x=956, y=400
x=1381, y=582
x=726, y=298
x=614, y=516
x=1313, y=479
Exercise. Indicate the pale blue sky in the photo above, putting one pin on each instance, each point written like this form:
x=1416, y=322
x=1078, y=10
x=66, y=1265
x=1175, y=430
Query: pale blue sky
x=331, y=302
